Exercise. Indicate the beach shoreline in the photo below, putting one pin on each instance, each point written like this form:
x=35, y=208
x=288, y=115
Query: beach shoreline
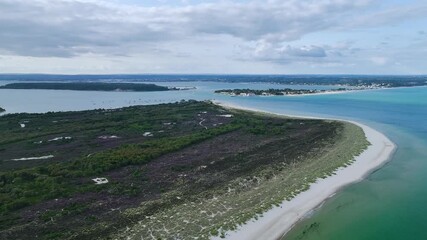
x=327, y=92
x=350, y=91
x=279, y=220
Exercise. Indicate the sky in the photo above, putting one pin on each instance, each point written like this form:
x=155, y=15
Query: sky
x=215, y=37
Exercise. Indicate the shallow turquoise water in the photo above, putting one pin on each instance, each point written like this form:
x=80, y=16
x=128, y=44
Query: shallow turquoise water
x=390, y=204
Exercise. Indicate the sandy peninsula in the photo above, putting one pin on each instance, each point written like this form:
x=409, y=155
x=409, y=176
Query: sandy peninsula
x=279, y=220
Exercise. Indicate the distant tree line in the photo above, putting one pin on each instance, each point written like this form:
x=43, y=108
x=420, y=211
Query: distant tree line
x=89, y=86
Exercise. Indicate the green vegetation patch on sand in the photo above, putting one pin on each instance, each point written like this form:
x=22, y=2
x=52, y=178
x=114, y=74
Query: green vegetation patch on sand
x=182, y=170
x=89, y=86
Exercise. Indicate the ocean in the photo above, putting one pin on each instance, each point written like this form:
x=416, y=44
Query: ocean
x=389, y=204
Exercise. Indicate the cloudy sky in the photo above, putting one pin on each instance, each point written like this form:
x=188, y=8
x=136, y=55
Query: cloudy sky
x=207, y=36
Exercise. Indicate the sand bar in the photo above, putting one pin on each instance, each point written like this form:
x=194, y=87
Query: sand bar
x=279, y=220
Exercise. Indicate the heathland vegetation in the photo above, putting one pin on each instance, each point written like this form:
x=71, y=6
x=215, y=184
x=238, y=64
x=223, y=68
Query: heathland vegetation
x=180, y=170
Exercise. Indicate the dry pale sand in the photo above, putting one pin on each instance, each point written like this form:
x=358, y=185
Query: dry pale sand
x=279, y=220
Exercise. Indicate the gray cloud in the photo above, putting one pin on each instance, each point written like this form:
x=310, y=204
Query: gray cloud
x=310, y=51
x=68, y=28
x=325, y=54
x=265, y=51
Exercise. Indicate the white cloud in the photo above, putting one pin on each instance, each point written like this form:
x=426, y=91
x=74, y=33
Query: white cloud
x=67, y=28
x=264, y=48
x=175, y=36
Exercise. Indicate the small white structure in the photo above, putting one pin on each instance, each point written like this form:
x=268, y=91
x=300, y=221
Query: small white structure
x=99, y=181
x=108, y=137
x=202, y=167
x=22, y=125
x=147, y=134
x=226, y=115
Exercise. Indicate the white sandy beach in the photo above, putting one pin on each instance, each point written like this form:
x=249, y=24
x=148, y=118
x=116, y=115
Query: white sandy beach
x=279, y=220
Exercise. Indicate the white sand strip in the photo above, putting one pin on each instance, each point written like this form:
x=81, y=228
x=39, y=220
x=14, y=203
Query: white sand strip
x=59, y=138
x=279, y=220
x=32, y=158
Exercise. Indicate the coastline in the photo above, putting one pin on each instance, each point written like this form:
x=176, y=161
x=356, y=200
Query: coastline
x=299, y=95
x=324, y=93
x=350, y=91
x=276, y=222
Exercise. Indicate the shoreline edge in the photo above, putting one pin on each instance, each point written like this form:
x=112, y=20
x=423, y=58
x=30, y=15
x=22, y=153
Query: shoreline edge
x=278, y=221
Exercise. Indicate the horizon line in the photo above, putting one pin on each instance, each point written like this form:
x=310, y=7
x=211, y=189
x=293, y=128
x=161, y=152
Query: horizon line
x=213, y=74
